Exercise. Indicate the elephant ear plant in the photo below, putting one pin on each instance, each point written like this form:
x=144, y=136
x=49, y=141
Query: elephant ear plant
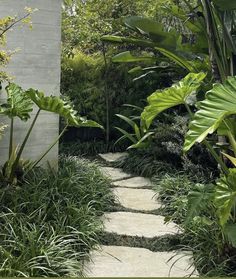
x=217, y=114
x=20, y=104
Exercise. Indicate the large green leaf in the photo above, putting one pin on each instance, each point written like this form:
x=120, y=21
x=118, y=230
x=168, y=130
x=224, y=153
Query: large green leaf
x=128, y=57
x=134, y=41
x=57, y=105
x=220, y=102
x=18, y=103
x=175, y=95
x=154, y=30
x=225, y=197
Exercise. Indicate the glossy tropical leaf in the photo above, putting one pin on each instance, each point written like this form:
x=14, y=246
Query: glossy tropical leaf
x=154, y=30
x=134, y=41
x=175, y=95
x=128, y=57
x=18, y=103
x=57, y=105
x=225, y=196
x=220, y=102
x=179, y=60
x=142, y=142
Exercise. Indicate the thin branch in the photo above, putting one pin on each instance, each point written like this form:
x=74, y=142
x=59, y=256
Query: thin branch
x=14, y=23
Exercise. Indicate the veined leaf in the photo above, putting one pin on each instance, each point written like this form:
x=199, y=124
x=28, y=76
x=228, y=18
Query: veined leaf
x=18, y=103
x=170, y=97
x=225, y=196
x=127, y=57
x=57, y=105
x=220, y=102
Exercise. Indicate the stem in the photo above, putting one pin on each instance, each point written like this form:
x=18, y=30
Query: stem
x=11, y=138
x=210, y=148
x=216, y=157
x=107, y=97
x=23, y=146
x=47, y=151
x=232, y=141
x=230, y=137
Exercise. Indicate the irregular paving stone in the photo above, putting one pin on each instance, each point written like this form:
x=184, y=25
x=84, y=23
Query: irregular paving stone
x=112, y=157
x=119, y=261
x=134, y=182
x=138, y=199
x=114, y=173
x=137, y=224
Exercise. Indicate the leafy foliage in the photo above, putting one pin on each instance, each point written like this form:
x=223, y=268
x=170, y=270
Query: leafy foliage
x=18, y=103
x=50, y=222
x=219, y=103
x=176, y=95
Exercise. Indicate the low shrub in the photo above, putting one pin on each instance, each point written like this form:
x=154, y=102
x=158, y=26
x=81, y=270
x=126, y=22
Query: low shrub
x=50, y=222
x=164, y=155
x=172, y=192
x=202, y=234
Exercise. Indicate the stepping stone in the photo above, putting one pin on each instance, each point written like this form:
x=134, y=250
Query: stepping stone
x=138, y=224
x=138, y=199
x=134, y=182
x=114, y=173
x=112, y=157
x=119, y=261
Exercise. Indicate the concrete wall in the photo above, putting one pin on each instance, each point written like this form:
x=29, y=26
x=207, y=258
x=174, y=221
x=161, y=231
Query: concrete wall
x=36, y=65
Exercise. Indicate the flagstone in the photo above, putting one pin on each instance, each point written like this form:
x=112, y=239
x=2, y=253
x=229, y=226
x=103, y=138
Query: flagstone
x=137, y=199
x=138, y=224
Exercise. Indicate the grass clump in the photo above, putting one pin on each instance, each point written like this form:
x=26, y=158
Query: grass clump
x=50, y=222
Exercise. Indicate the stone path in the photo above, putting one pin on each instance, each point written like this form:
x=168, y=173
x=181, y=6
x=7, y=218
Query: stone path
x=134, y=193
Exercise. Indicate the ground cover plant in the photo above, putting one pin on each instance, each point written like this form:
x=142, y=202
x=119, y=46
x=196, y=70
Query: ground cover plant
x=50, y=222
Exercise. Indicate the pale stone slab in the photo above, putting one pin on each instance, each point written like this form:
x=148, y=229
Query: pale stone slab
x=138, y=199
x=114, y=173
x=134, y=182
x=119, y=261
x=112, y=157
x=138, y=224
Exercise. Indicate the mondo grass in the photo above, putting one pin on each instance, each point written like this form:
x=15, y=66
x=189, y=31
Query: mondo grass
x=50, y=222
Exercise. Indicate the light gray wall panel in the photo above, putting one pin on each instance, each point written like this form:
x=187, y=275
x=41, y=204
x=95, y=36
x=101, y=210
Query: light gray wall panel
x=36, y=65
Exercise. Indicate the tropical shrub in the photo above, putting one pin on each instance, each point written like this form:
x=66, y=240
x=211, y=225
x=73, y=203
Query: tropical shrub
x=20, y=104
x=51, y=221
